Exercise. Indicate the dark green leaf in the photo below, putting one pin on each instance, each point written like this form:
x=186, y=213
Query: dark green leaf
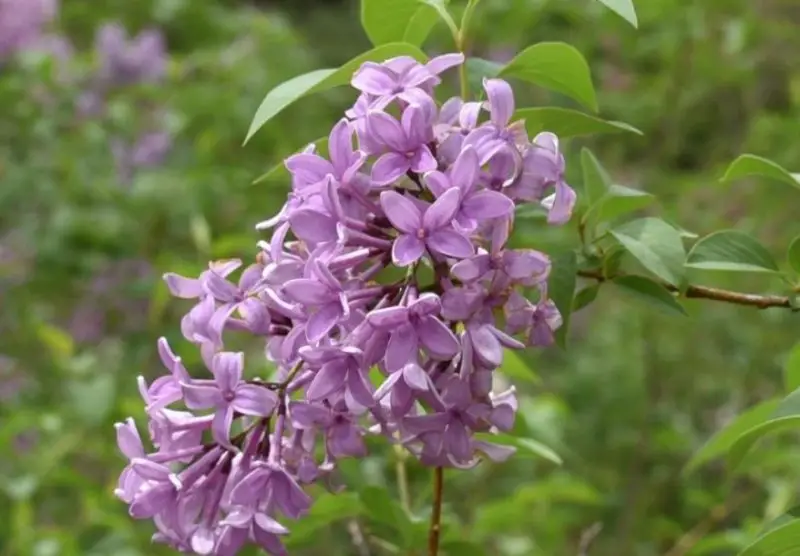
x=624, y=8
x=793, y=254
x=321, y=80
x=655, y=244
x=732, y=251
x=791, y=370
x=752, y=165
x=596, y=180
x=651, y=292
x=618, y=201
x=326, y=509
x=781, y=541
x=568, y=123
x=786, y=416
x=722, y=440
x=386, y=21
x=462, y=548
x=561, y=288
x=585, y=296
x=557, y=66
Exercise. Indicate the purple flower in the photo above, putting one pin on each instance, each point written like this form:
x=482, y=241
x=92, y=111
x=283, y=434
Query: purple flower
x=227, y=394
x=124, y=61
x=431, y=229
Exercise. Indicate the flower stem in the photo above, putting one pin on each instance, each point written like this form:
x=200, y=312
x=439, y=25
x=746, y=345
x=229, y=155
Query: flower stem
x=436, y=513
x=461, y=44
x=402, y=478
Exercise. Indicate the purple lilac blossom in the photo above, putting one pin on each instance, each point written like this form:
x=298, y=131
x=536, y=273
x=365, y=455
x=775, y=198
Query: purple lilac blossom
x=434, y=188
x=22, y=24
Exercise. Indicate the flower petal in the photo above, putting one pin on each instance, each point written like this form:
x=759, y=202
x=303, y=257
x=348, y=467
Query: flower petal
x=401, y=212
x=501, y=101
x=227, y=368
x=407, y=249
x=389, y=168
x=374, y=79
x=185, y=288
x=474, y=268
x=438, y=340
x=323, y=321
x=221, y=425
x=388, y=317
x=442, y=211
x=255, y=400
x=402, y=348
x=329, y=379
x=200, y=396
x=450, y=244
x=307, y=291
x=465, y=169
x=386, y=131
x=484, y=205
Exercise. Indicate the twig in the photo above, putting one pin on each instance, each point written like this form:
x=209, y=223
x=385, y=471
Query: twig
x=588, y=537
x=714, y=294
x=357, y=536
x=436, y=513
x=402, y=478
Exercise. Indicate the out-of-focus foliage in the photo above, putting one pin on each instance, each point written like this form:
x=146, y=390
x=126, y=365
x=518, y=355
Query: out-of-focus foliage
x=105, y=187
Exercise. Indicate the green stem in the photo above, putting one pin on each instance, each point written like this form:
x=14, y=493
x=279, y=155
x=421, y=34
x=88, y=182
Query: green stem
x=462, y=69
x=402, y=478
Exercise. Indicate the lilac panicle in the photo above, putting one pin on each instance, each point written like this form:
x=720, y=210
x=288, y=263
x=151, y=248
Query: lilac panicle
x=407, y=185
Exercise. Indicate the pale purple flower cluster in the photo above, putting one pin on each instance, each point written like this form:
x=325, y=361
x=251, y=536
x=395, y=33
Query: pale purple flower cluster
x=385, y=300
x=22, y=24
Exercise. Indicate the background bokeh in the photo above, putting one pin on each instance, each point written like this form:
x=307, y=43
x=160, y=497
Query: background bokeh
x=121, y=157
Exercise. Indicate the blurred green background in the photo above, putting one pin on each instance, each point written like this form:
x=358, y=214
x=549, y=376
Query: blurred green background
x=107, y=181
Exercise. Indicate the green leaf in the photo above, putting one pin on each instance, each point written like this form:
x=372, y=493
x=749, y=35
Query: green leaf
x=462, y=548
x=557, y=66
x=58, y=342
x=752, y=165
x=617, y=201
x=382, y=508
x=585, y=297
x=623, y=8
x=441, y=8
x=655, y=244
x=596, y=180
x=731, y=251
x=651, y=292
x=525, y=446
x=326, y=509
x=791, y=370
x=781, y=541
x=321, y=80
x=515, y=368
x=785, y=416
x=561, y=288
x=568, y=123
x=279, y=171
x=387, y=21
x=723, y=439
x=466, y=17
x=477, y=69
x=793, y=254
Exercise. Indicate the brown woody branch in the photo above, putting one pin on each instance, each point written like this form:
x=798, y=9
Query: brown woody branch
x=714, y=294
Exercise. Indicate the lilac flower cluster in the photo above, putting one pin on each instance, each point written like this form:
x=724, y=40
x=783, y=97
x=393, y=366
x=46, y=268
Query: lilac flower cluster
x=386, y=311
x=22, y=24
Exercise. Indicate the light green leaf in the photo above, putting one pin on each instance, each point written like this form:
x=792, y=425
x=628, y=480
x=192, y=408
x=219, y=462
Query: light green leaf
x=656, y=245
x=791, y=370
x=387, y=21
x=731, y=251
x=525, y=446
x=781, y=541
x=557, y=66
x=466, y=17
x=441, y=8
x=326, y=509
x=618, y=201
x=57, y=341
x=568, y=123
x=279, y=171
x=623, y=8
x=561, y=288
x=723, y=439
x=651, y=292
x=321, y=80
x=515, y=368
x=785, y=416
x=752, y=165
x=478, y=69
x=596, y=180
x=793, y=254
